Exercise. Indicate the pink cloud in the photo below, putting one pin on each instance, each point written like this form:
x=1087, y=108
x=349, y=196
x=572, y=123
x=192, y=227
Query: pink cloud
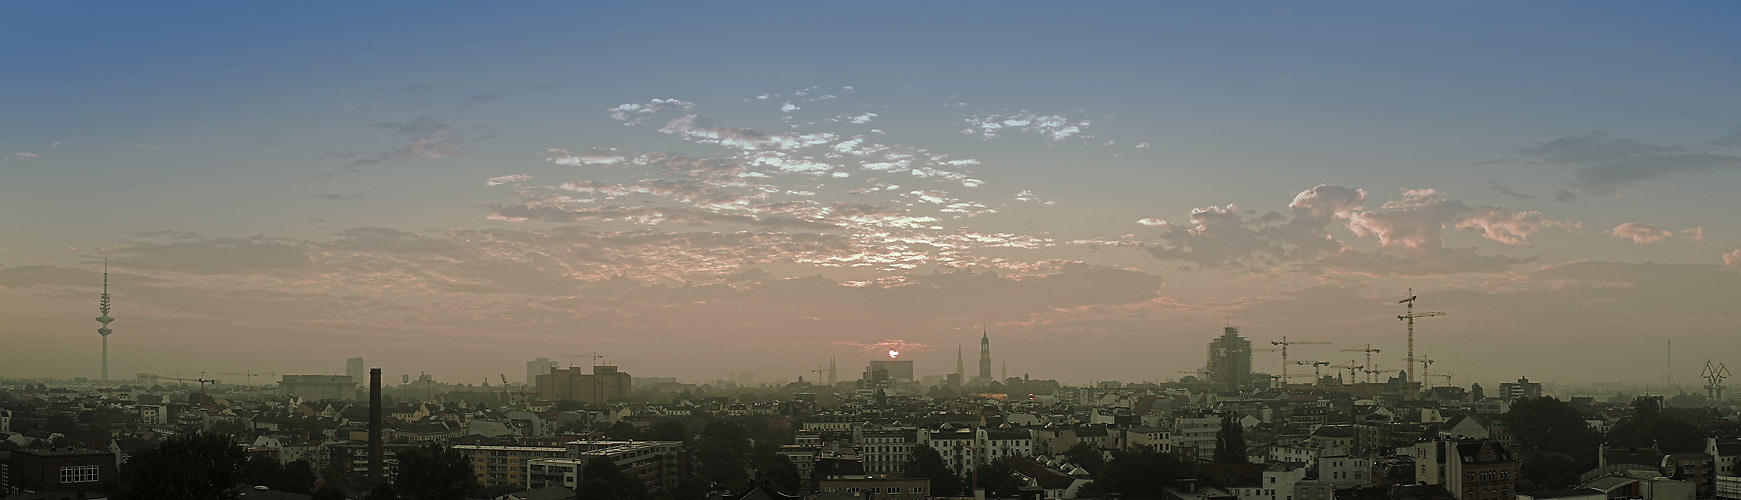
x=1504, y=226
x=1644, y=233
x=1732, y=260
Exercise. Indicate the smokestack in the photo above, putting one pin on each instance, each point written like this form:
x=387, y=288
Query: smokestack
x=374, y=426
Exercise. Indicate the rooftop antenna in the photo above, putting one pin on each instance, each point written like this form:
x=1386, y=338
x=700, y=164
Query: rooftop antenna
x=103, y=306
x=1409, y=376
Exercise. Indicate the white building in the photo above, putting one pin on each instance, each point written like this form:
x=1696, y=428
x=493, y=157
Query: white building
x=1277, y=483
x=1196, y=432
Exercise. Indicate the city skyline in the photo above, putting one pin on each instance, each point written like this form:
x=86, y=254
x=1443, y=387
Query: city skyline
x=1105, y=188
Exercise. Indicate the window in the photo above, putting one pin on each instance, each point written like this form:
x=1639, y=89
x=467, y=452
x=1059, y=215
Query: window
x=916, y=490
x=79, y=474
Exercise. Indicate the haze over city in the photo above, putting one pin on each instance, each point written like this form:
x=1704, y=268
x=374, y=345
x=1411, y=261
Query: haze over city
x=716, y=188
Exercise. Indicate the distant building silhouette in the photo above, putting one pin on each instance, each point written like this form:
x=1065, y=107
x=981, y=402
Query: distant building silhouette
x=984, y=356
x=1229, y=359
x=536, y=367
x=354, y=368
x=605, y=383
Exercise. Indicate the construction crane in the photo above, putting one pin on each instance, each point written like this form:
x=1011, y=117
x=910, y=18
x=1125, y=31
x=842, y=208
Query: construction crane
x=202, y=380
x=595, y=357
x=1409, y=376
x=1367, y=348
x=1372, y=372
x=1714, y=375
x=1317, y=375
x=1284, y=343
x=819, y=371
x=1427, y=372
x=250, y=376
x=505, y=393
x=1351, y=367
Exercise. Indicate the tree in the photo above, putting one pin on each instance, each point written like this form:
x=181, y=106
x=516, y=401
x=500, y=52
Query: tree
x=1230, y=441
x=722, y=454
x=999, y=480
x=1141, y=473
x=927, y=463
x=1650, y=425
x=1548, y=424
x=622, y=431
x=1557, y=445
x=383, y=491
x=1086, y=456
x=434, y=472
x=190, y=466
x=595, y=489
x=297, y=477
x=670, y=429
x=622, y=487
x=777, y=473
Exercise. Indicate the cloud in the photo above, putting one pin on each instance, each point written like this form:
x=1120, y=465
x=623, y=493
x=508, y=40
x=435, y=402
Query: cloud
x=1151, y=221
x=493, y=95
x=137, y=146
x=1052, y=127
x=216, y=255
x=507, y=179
x=563, y=157
x=487, y=96
x=632, y=114
x=1641, y=233
x=1604, y=164
x=335, y=196
x=428, y=137
x=1732, y=260
x=1502, y=225
x=412, y=90
x=701, y=129
x=861, y=119
x=1496, y=187
x=1408, y=230
x=21, y=156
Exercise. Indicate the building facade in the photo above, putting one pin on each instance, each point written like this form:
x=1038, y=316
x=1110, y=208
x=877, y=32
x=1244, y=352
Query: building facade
x=605, y=383
x=506, y=465
x=55, y=470
x=320, y=387
x=1229, y=359
x=536, y=367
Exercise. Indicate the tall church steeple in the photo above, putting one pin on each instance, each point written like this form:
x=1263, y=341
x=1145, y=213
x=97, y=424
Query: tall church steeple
x=960, y=368
x=984, y=354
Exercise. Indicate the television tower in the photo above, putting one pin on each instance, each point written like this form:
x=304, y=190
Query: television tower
x=103, y=306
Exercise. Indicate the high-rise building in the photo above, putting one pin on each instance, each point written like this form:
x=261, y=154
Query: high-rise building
x=1229, y=359
x=536, y=367
x=894, y=370
x=320, y=387
x=984, y=356
x=1521, y=389
x=354, y=368
x=604, y=384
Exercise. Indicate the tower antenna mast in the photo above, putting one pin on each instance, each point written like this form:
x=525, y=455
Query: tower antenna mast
x=103, y=306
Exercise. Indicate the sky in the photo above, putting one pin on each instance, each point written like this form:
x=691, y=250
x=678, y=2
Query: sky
x=697, y=189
